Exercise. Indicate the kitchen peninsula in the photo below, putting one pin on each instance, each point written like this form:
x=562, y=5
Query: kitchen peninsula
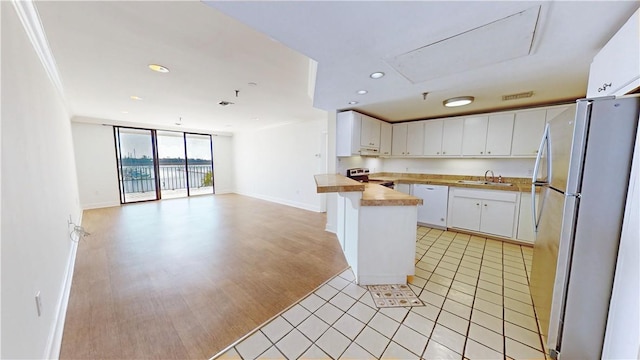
x=376, y=229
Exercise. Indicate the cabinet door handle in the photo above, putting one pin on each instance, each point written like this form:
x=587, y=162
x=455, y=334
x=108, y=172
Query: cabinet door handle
x=485, y=205
x=481, y=152
x=438, y=153
x=443, y=153
x=477, y=204
x=488, y=152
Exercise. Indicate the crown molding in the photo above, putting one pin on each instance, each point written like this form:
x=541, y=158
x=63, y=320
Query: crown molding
x=30, y=19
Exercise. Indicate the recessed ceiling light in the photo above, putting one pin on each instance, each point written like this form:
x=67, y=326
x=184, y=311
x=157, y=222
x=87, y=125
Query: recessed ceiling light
x=124, y=111
x=376, y=75
x=158, y=68
x=352, y=102
x=252, y=84
x=133, y=97
x=458, y=101
x=362, y=92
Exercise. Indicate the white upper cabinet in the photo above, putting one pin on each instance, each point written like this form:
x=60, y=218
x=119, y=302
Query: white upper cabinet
x=407, y=139
x=452, y=137
x=348, y=126
x=370, y=133
x=415, y=138
x=385, y=138
x=357, y=134
x=615, y=70
x=474, y=138
x=432, y=137
x=488, y=135
x=499, y=134
x=528, y=127
x=399, y=140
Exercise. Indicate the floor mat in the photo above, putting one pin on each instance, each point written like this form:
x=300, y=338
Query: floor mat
x=393, y=296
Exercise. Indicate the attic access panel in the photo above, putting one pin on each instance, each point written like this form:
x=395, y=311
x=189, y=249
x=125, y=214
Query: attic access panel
x=495, y=42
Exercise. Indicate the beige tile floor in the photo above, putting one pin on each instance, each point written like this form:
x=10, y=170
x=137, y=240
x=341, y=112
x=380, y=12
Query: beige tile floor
x=477, y=306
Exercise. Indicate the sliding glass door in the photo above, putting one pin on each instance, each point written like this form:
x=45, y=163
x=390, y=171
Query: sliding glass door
x=199, y=164
x=172, y=164
x=136, y=166
x=155, y=164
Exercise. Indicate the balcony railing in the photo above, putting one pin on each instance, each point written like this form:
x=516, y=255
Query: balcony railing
x=137, y=179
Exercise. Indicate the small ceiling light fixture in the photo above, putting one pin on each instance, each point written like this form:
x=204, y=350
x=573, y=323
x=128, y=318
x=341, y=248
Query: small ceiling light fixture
x=124, y=111
x=158, y=68
x=133, y=97
x=362, y=92
x=376, y=75
x=352, y=102
x=458, y=101
x=252, y=84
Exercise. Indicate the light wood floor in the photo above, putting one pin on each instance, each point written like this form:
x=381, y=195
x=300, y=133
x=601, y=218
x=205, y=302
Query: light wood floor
x=184, y=278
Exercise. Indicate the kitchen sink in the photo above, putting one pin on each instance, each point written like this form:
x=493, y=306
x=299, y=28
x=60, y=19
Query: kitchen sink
x=472, y=182
x=480, y=182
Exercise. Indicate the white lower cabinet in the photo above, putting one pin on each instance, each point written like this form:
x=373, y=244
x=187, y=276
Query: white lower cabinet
x=491, y=212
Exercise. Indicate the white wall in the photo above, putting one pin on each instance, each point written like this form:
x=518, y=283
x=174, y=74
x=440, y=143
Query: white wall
x=223, y=163
x=96, y=164
x=506, y=167
x=39, y=194
x=278, y=163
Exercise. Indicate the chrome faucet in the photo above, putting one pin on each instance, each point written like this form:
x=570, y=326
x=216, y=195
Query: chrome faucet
x=493, y=177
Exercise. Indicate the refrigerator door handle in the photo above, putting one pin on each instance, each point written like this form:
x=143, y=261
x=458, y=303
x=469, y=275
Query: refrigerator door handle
x=534, y=180
x=543, y=142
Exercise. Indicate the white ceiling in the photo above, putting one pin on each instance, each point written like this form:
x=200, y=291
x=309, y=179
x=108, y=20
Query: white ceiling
x=102, y=50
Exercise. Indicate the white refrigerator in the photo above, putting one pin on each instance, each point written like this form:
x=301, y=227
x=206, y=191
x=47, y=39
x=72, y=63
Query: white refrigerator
x=582, y=172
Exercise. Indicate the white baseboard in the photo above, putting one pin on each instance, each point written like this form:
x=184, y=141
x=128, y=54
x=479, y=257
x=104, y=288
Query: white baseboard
x=100, y=205
x=54, y=343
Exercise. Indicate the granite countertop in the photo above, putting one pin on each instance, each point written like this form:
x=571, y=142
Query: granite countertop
x=517, y=184
x=378, y=195
x=327, y=183
x=372, y=194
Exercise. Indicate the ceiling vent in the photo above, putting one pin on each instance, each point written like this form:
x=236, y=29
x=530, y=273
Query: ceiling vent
x=522, y=95
x=225, y=103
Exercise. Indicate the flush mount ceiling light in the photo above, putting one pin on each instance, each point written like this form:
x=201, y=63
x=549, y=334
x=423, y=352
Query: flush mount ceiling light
x=458, y=101
x=362, y=92
x=124, y=111
x=376, y=75
x=158, y=68
x=352, y=102
x=133, y=97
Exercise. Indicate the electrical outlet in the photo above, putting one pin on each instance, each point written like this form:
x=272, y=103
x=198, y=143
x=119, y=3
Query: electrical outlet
x=38, y=304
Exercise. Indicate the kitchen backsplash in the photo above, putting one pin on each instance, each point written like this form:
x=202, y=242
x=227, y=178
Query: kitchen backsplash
x=508, y=167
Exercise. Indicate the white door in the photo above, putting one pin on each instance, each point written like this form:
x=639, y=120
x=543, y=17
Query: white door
x=415, y=138
x=474, y=138
x=399, y=140
x=527, y=132
x=385, y=138
x=497, y=217
x=432, y=137
x=465, y=213
x=452, y=137
x=499, y=134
